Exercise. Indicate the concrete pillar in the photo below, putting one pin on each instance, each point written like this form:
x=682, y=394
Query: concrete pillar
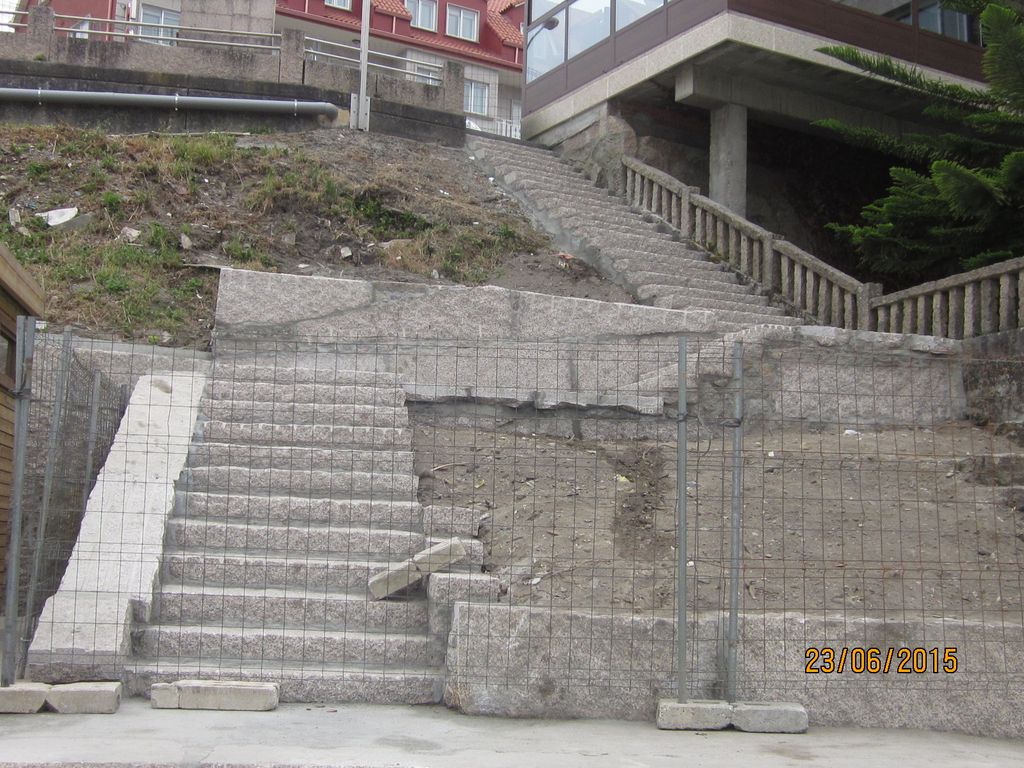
x=40, y=31
x=728, y=178
x=293, y=56
x=453, y=79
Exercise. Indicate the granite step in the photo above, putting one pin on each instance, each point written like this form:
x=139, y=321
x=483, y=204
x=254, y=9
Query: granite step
x=288, y=392
x=308, y=435
x=650, y=291
x=330, y=571
x=301, y=482
x=683, y=299
x=273, y=368
x=296, y=458
x=740, y=316
x=294, y=540
x=299, y=683
x=184, y=603
x=683, y=261
x=271, y=644
x=279, y=509
x=284, y=412
x=250, y=570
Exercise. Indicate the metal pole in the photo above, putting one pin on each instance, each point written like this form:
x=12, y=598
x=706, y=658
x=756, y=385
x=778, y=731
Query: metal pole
x=363, y=123
x=94, y=417
x=736, y=540
x=56, y=422
x=26, y=329
x=682, y=627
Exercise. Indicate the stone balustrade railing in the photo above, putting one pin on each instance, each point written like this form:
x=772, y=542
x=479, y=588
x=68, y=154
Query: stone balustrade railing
x=975, y=303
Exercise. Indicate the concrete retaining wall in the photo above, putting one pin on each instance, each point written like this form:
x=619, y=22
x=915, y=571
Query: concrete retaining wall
x=169, y=64
x=530, y=662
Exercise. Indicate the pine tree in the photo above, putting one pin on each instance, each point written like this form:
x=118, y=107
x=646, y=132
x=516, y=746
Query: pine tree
x=957, y=199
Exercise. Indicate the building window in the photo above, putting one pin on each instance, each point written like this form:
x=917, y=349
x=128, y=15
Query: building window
x=545, y=46
x=476, y=96
x=590, y=22
x=463, y=23
x=539, y=7
x=932, y=17
x=424, y=13
x=345, y=5
x=80, y=31
x=162, y=35
x=628, y=11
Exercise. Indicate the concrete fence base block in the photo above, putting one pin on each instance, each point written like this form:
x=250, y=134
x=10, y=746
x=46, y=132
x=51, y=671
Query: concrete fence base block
x=163, y=696
x=23, y=698
x=85, y=698
x=694, y=715
x=769, y=717
x=215, y=694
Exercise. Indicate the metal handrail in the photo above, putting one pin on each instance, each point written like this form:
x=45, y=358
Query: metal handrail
x=433, y=78
x=13, y=25
x=405, y=59
x=149, y=25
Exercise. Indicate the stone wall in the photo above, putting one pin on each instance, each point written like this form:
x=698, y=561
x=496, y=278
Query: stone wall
x=517, y=661
x=551, y=352
x=994, y=378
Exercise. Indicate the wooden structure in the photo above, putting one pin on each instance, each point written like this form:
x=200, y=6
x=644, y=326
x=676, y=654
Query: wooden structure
x=19, y=295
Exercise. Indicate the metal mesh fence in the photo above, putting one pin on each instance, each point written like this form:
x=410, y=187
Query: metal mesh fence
x=74, y=413
x=494, y=523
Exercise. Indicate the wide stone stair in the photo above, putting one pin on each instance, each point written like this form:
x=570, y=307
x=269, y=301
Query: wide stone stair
x=299, y=487
x=625, y=246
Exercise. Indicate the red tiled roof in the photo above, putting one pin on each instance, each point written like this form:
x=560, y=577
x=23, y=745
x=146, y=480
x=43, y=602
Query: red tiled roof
x=392, y=8
x=507, y=32
x=500, y=6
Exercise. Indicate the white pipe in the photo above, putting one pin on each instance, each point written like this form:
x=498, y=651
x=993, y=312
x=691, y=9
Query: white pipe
x=292, y=107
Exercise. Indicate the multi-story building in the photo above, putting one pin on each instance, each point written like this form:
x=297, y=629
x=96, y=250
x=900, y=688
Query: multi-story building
x=412, y=37
x=484, y=35
x=728, y=62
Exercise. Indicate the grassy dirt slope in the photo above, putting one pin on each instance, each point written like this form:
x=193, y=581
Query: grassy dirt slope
x=157, y=216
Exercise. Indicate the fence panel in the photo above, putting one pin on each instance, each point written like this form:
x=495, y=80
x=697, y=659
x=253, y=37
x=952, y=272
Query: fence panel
x=494, y=524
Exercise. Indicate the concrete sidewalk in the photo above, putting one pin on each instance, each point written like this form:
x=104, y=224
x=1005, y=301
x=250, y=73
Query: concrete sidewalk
x=431, y=737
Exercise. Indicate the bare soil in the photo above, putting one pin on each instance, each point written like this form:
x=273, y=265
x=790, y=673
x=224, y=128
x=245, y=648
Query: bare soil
x=875, y=524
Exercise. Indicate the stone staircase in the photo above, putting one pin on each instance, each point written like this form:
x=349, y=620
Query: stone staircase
x=629, y=248
x=299, y=487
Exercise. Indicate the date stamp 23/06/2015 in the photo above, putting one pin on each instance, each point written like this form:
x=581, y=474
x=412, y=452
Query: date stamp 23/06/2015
x=904, y=661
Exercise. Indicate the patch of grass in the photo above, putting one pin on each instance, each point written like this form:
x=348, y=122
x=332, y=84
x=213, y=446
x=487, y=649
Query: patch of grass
x=38, y=171
x=244, y=254
x=386, y=223
x=112, y=203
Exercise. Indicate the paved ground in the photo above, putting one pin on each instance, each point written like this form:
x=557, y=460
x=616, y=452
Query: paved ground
x=432, y=737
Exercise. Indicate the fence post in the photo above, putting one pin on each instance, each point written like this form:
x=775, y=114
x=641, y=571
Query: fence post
x=94, y=414
x=736, y=525
x=56, y=424
x=682, y=627
x=26, y=329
